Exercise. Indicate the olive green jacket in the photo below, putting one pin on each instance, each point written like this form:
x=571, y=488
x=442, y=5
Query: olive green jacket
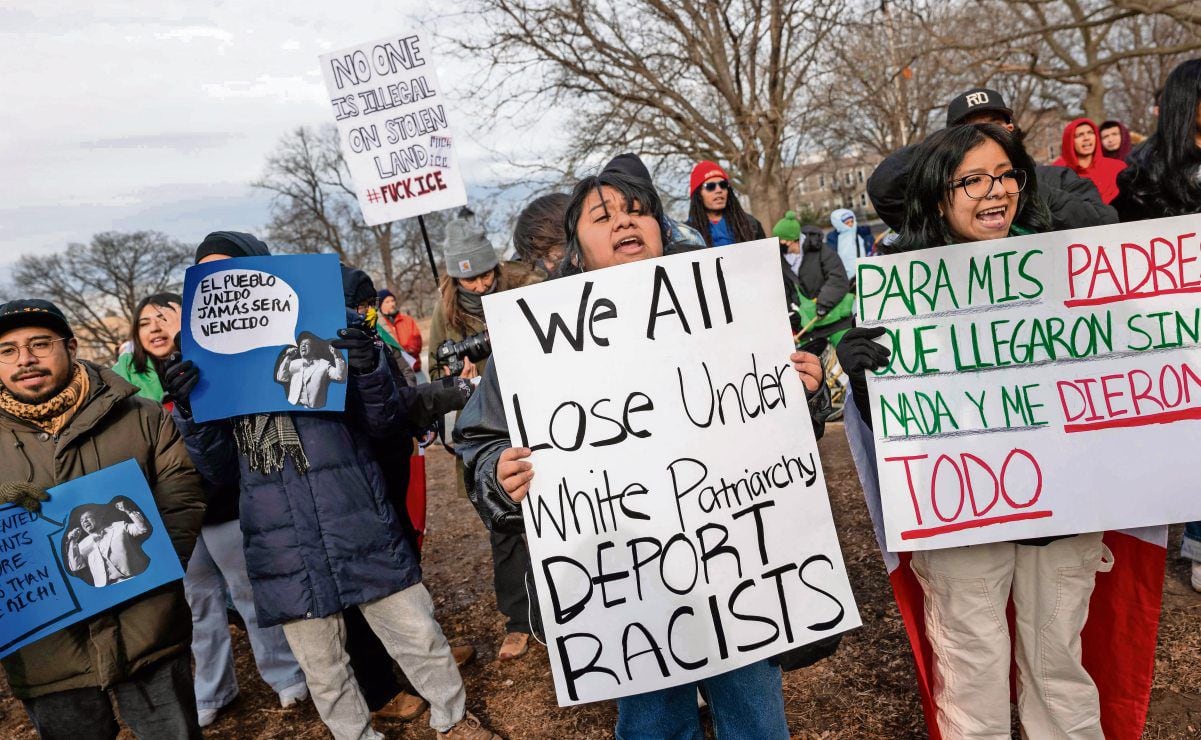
x=112, y=424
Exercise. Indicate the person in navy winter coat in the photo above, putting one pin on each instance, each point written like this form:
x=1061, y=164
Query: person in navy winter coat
x=321, y=535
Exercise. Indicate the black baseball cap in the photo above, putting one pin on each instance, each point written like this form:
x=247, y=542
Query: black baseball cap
x=33, y=312
x=976, y=100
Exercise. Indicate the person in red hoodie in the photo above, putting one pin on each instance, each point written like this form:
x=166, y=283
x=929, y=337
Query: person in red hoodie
x=1081, y=150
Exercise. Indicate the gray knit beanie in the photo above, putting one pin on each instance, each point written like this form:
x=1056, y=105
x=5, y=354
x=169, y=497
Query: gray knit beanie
x=468, y=251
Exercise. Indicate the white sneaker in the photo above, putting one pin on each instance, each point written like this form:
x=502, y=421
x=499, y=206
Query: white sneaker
x=205, y=717
x=1196, y=576
x=293, y=695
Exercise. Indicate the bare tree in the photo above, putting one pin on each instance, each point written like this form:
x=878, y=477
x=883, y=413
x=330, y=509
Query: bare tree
x=677, y=80
x=99, y=284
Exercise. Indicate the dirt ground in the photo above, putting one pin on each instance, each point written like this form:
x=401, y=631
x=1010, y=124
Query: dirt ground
x=866, y=690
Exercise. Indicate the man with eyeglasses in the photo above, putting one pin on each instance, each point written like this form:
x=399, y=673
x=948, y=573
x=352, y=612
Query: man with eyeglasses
x=63, y=418
x=1073, y=201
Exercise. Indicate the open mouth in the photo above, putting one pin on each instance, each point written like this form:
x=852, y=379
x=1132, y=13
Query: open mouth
x=629, y=245
x=992, y=218
x=157, y=342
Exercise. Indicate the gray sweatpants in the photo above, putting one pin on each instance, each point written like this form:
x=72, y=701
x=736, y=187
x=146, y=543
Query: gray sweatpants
x=405, y=623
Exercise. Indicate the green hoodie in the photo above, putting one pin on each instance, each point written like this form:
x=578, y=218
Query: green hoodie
x=146, y=382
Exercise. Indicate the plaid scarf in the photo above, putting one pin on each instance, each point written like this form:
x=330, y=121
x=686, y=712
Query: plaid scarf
x=265, y=439
x=51, y=415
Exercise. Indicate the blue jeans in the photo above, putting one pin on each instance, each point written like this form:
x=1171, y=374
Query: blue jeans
x=1191, y=546
x=219, y=562
x=747, y=702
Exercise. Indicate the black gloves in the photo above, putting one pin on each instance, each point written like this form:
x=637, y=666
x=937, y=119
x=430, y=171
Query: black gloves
x=857, y=354
x=362, y=354
x=179, y=378
x=25, y=495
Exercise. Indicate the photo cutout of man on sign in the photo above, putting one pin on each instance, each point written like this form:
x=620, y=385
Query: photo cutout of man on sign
x=256, y=326
x=103, y=545
x=307, y=369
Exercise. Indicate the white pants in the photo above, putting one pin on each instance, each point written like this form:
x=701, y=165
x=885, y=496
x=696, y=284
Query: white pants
x=405, y=623
x=967, y=590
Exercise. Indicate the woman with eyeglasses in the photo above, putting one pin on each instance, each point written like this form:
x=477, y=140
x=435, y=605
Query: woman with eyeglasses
x=970, y=184
x=714, y=209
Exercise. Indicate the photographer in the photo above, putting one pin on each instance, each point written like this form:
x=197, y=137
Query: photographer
x=473, y=271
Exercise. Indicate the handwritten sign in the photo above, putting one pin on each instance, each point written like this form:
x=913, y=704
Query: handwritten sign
x=259, y=330
x=393, y=127
x=98, y=542
x=678, y=520
x=1039, y=385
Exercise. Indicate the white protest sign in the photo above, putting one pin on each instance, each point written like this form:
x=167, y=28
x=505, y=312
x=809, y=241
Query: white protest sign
x=393, y=129
x=678, y=520
x=1039, y=385
x=239, y=310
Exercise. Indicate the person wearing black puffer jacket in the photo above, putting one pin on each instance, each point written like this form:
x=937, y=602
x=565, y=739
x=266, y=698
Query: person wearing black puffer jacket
x=1073, y=201
x=321, y=535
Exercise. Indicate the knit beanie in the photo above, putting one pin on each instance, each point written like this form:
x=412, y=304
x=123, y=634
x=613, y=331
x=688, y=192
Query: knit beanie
x=703, y=171
x=467, y=249
x=231, y=244
x=384, y=293
x=788, y=228
x=629, y=164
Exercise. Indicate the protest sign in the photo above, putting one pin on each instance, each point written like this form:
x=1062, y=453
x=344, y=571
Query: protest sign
x=678, y=521
x=259, y=329
x=98, y=542
x=393, y=128
x=1039, y=385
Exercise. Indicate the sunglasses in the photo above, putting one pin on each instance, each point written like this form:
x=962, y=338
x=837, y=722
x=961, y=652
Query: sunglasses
x=716, y=185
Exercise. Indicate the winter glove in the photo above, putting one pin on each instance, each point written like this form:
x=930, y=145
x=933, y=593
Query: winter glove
x=25, y=495
x=361, y=352
x=179, y=378
x=858, y=353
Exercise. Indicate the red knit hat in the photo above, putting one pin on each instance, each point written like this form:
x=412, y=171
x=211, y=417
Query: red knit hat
x=703, y=171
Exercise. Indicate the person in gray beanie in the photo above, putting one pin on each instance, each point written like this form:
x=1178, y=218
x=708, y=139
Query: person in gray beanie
x=473, y=271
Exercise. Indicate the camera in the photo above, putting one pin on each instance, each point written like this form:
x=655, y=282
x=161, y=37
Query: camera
x=451, y=353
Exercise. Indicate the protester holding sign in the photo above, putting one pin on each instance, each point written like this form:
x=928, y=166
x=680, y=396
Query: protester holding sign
x=217, y=569
x=321, y=536
x=67, y=418
x=614, y=219
x=969, y=184
x=473, y=271
x=1163, y=180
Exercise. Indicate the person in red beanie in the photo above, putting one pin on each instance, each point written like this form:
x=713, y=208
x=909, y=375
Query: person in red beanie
x=1081, y=151
x=714, y=210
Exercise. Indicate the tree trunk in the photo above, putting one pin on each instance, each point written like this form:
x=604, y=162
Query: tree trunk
x=1094, y=98
x=383, y=241
x=768, y=198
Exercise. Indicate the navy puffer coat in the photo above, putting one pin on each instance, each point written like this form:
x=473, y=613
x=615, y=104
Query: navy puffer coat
x=329, y=539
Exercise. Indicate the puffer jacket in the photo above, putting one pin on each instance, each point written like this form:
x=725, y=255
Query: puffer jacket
x=112, y=425
x=328, y=539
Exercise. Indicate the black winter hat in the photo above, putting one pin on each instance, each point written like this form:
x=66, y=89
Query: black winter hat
x=33, y=312
x=231, y=244
x=886, y=187
x=629, y=164
x=357, y=287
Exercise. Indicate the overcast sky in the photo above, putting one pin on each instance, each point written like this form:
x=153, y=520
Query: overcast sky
x=157, y=115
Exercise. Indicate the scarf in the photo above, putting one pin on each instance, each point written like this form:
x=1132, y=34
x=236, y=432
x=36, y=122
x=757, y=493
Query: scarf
x=53, y=414
x=265, y=439
x=473, y=303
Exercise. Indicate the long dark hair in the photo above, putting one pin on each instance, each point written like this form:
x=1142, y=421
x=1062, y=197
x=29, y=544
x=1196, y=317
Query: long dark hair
x=934, y=163
x=1161, y=179
x=631, y=188
x=737, y=219
x=162, y=300
x=539, y=228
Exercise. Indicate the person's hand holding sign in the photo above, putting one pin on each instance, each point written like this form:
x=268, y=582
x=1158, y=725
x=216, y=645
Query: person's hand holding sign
x=514, y=473
x=809, y=367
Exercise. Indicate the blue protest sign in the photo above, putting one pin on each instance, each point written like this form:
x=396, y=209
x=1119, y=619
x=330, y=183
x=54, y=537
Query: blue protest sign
x=259, y=329
x=98, y=542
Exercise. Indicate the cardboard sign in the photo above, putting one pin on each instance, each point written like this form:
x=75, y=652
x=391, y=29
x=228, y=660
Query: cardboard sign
x=678, y=520
x=259, y=329
x=393, y=128
x=99, y=541
x=1039, y=385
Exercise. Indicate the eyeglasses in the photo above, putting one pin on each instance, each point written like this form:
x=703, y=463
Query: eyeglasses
x=978, y=187
x=715, y=185
x=38, y=348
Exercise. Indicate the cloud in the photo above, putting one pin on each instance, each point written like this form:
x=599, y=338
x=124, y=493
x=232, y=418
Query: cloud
x=181, y=142
x=285, y=89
